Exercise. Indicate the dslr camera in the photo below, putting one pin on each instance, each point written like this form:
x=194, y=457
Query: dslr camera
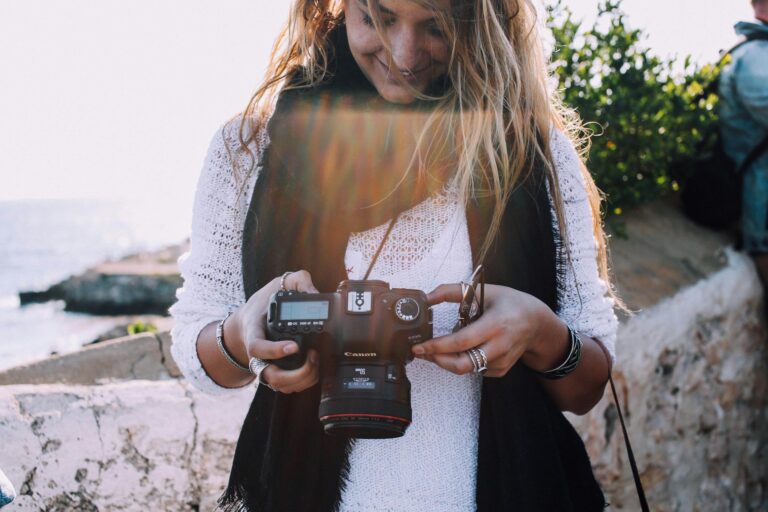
x=364, y=333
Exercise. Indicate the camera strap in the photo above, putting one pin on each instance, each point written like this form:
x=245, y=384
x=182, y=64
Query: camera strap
x=381, y=245
x=630, y=453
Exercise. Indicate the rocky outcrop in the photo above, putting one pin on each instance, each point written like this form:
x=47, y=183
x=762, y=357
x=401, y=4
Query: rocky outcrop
x=143, y=283
x=692, y=375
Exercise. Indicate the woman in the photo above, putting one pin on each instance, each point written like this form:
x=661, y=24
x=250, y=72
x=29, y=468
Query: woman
x=514, y=197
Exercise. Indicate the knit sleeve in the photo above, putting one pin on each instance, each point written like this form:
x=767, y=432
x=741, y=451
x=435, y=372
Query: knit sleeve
x=584, y=302
x=211, y=269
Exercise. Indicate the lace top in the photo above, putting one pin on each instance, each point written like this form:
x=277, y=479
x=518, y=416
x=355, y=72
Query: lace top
x=435, y=461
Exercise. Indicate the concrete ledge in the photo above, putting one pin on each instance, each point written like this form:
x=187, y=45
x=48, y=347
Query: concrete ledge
x=142, y=356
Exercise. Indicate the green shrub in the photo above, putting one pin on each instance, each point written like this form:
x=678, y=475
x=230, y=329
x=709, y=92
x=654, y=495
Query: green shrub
x=139, y=327
x=639, y=107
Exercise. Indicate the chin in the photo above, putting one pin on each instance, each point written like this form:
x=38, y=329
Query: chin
x=403, y=97
x=398, y=94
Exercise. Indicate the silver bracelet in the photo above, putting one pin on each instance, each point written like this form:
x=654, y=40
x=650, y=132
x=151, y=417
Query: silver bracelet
x=223, y=349
x=571, y=362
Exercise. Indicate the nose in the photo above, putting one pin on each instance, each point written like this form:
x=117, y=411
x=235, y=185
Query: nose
x=407, y=54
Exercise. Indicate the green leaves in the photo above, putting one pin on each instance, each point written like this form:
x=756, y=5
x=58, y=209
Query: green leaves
x=645, y=107
x=139, y=327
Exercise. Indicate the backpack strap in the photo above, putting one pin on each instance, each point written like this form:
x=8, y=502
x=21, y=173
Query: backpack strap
x=753, y=155
x=712, y=86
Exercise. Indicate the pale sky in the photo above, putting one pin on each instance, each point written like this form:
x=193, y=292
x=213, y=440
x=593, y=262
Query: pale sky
x=112, y=98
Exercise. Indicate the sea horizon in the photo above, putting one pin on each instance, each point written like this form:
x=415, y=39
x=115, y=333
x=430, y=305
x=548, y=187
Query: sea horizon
x=44, y=241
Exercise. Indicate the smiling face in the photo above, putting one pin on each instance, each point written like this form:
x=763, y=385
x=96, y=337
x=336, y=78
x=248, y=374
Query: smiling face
x=419, y=50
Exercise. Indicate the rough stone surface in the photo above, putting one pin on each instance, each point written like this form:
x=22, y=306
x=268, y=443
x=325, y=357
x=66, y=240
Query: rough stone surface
x=692, y=375
x=142, y=356
x=130, y=446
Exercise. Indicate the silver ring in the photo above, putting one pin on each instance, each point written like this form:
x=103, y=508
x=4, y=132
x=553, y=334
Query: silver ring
x=474, y=358
x=257, y=367
x=282, y=280
x=479, y=359
x=484, y=366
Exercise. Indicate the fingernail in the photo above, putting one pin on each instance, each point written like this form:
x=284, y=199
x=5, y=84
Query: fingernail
x=313, y=357
x=290, y=348
x=418, y=350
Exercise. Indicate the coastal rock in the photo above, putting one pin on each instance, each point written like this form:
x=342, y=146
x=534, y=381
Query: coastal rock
x=143, y=283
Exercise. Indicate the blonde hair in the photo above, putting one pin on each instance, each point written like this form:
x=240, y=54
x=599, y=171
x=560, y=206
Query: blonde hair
x=499, y=93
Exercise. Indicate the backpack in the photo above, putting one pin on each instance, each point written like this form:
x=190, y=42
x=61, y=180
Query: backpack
x=712, y=182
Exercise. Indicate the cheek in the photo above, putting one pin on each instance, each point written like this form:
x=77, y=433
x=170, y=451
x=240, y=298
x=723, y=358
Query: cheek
x=362, y=41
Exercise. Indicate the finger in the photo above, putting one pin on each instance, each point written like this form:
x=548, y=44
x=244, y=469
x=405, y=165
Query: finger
x=309, y=381
x=458, y=363
x=265, y=349
x=445, y=293
x=312, y=376
x=284, y=380
x=300, y=281
x=459, y=341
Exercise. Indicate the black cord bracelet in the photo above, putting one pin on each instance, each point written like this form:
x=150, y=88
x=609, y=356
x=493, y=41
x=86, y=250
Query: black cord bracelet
x=570, y=363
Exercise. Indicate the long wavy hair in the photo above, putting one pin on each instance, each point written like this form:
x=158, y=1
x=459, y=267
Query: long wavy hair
x=499, y=98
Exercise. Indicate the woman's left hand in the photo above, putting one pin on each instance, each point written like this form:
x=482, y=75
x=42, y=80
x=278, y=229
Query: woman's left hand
x=510, y=326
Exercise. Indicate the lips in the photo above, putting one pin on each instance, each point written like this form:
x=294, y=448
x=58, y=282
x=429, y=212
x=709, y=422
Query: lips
x=410, y=77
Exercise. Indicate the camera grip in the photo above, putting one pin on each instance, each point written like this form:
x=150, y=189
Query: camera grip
x=293, y=361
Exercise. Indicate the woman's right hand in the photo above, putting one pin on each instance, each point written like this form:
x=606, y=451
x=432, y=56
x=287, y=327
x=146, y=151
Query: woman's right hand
x=250, y=320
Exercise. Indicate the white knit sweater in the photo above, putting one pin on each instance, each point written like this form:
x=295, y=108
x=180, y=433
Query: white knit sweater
x=432, y=467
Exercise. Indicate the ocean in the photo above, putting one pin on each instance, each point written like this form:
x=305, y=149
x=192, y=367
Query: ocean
x=45, y=241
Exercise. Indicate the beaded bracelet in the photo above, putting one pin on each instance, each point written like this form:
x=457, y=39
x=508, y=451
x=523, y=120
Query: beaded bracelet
x=224, y=351
x=570, y=363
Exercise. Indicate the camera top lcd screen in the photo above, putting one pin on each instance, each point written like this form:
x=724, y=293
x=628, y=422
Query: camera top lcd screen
x=304, y=310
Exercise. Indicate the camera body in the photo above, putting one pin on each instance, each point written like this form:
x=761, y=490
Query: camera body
x=364, y=333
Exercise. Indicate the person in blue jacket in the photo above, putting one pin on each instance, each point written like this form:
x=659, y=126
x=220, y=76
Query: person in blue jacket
x=744, y=123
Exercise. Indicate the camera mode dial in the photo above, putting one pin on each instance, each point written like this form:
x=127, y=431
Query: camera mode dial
x=407, y=309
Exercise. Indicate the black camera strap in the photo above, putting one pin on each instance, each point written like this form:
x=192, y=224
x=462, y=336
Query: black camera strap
x=381, y=245
x=630, y=453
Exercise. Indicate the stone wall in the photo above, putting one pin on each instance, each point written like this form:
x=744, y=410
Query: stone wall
x=132, y=446
x=692, y=375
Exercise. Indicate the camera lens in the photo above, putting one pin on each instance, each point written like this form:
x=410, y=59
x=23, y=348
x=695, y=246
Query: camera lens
x=368, y=401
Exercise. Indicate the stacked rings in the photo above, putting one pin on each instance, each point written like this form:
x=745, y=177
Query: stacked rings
x=479, y=359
